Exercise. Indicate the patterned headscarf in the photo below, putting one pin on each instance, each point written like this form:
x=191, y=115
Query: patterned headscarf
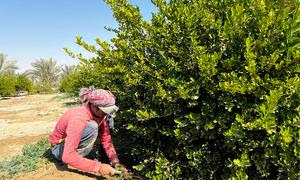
x=102, y=98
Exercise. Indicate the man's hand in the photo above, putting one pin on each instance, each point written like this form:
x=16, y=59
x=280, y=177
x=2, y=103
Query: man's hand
x=106, y=169
x=120, y=167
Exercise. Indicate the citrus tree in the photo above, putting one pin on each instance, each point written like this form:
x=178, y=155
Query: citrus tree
x=10, y=82
x=206, y=89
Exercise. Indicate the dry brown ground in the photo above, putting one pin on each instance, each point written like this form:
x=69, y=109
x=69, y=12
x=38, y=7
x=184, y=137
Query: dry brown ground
x=28, y=119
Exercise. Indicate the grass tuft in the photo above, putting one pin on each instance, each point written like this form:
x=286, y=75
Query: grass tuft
x=28, y=161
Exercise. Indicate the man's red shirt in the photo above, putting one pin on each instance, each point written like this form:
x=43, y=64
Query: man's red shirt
x=70, y=126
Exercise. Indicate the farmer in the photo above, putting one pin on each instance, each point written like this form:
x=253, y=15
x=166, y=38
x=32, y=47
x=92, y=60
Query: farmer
x=77, y=130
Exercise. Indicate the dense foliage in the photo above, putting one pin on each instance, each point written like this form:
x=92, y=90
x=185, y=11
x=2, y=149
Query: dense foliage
x=207, y=89
x=68, y=78
x=10, y=85
x=7, y=85
x=23, y=84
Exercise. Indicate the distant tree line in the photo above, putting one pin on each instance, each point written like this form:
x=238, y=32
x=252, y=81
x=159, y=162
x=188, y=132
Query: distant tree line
x=44, y=77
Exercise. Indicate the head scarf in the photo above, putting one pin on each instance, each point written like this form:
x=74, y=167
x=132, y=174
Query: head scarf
x=101, y=98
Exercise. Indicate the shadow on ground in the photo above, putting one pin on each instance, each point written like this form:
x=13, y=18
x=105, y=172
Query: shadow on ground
x=5, y=98
x=64, y=167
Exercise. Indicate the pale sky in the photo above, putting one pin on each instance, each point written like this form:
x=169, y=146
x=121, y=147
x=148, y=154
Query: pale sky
x=34, y=29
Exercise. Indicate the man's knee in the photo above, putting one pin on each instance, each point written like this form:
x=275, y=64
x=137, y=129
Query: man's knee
x=58, y=150
x=93, y=126
x=88, y=138
x=90, y=131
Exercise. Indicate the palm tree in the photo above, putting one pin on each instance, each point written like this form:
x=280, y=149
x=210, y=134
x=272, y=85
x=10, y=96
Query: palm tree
x=45, y=71
x=7, y=67
x=67, y=69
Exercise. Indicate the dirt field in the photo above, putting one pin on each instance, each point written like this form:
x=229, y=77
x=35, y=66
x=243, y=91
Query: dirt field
x=28, y=119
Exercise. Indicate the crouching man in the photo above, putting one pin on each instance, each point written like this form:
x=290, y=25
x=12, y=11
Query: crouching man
x=77, y=130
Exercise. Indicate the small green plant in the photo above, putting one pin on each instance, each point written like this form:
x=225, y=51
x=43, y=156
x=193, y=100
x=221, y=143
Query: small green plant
x=30, y=159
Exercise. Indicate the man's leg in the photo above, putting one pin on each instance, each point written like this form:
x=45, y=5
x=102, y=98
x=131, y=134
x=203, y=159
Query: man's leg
x=87, y=140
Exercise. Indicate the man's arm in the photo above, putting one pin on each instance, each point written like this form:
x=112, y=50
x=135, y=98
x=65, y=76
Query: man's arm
x=106, y=141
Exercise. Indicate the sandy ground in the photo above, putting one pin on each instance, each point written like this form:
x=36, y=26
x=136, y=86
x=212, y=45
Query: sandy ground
x=57, y=173
x=28, y=119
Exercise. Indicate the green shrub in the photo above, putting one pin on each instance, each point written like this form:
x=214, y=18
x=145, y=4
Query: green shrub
x=207, y=89
x=68, y=83
x=43, y=88
x=10, y=84
x=81, y=78
x=23, y=84
x=7, y=85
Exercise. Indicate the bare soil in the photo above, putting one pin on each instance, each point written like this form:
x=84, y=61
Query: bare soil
x=28, y=119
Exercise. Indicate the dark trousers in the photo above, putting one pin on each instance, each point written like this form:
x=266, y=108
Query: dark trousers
x=87, y=140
